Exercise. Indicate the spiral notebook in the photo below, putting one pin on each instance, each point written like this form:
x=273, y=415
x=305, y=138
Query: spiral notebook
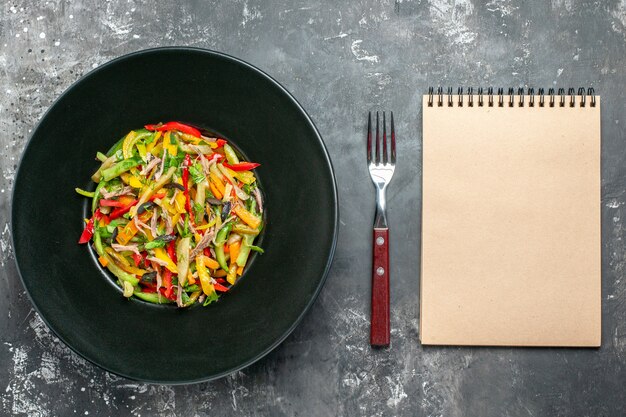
x=511, y=219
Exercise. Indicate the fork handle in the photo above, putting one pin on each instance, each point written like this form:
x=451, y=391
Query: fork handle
x=379, y=320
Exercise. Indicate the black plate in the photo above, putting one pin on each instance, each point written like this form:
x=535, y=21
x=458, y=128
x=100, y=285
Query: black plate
x=75, y=297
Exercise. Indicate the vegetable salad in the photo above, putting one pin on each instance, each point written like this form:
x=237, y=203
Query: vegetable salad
x=175, y=214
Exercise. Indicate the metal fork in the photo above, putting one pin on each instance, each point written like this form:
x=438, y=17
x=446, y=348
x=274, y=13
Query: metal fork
x=381, y=171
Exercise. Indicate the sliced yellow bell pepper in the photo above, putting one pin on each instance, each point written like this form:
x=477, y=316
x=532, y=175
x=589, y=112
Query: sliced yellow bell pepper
x=161, y=254
x=206, y=226
x=231, y=277
x=211, y=263
x=134, y=182
x=203, y=275
x=249, y=218
x=165, y=204
x=103, y=261
x=247, y=177
x=125, y=177
x=240, y=271
x=153, y=188
x=132, y=270
x=152, y=145
x=129, y=142
x=190, y=138
x=172, y=148
x=175, y=219
x=142, y=151
x=116, y=256
x=122, y=262
x=179, y=203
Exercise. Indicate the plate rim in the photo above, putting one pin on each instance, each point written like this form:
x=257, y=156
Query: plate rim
x=331, y=255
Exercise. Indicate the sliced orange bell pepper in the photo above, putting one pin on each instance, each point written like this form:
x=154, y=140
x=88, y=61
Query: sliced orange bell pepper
x=247, y=217
x=219, y=184
x=127, y=233
x=219, y=273
x=215, y=191
x=234, y=251
x=190, y=279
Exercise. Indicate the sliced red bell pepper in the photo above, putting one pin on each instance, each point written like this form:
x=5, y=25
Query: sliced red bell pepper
x=111, y=203
x=168, y=294
x=221, y=280
x=148, y=287
x=137, y=259
x=220, y=143
x=175, y=126
x=104, y=219
x=120, y=211
x=242, y=166
x=168, y=289
x=88, y=230
x=219, y=287
x=171, y=251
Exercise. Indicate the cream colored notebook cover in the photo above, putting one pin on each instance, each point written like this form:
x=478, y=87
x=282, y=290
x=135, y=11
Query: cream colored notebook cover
x=511, y=222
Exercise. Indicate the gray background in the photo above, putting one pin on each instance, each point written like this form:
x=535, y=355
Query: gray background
x=339, y=59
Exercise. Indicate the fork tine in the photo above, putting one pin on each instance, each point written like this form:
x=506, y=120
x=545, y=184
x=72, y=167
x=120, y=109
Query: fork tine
x=377, y=142
x=369, y=137
x=393, y=141
x=385, y=155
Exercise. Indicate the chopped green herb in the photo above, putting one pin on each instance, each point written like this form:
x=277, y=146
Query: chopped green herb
x=157, y=243
x=210, y=299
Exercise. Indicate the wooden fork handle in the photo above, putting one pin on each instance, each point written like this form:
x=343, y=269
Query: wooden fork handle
x=379, y=320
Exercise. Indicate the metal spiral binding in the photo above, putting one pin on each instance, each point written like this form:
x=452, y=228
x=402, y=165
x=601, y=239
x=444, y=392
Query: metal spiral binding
x=562, y=94
x=589, y=93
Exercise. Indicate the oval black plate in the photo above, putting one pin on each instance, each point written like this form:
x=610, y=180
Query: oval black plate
x=68, y=289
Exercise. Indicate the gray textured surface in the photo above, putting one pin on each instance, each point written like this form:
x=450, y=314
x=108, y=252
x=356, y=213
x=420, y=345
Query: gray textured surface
x=339, y=60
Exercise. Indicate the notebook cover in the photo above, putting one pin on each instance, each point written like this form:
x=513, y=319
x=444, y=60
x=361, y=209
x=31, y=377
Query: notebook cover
x=511, y=225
